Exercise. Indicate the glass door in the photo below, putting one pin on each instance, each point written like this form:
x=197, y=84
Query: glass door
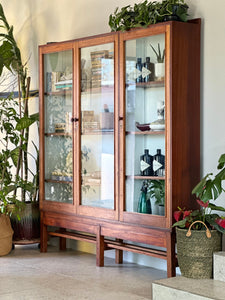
x=145, y=126
x=97, y=126
x=58, y=166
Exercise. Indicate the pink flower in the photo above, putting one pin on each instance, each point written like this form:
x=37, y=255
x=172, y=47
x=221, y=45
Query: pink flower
x=177, y=215
x=220, y=222
x=186, y=213
x=203, y=204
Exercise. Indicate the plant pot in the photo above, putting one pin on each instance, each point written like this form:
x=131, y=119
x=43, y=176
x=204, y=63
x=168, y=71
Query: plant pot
x=154, y=206
x=6, y=234
x=161, y=210
x=160, y=71
x=195, y=253
x=177, y=11
x=28, y=227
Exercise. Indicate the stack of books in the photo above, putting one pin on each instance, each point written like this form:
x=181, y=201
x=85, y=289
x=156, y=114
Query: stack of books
x=96, y=63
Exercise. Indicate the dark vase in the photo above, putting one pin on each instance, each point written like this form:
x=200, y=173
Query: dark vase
x=139, y=68
x=149, y=66
x=146, y=161
x=28, y=227
x=159, y=164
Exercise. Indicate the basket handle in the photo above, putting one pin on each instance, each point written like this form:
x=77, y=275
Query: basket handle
x=208, y=233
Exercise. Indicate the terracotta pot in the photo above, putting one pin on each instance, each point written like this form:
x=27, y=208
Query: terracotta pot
x=6, y=234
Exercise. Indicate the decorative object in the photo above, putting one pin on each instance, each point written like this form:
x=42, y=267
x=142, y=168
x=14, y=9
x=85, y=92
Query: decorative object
x=146, y=13
x=159, y=124
x=143, y=127
x=160, y=65
x=60, y=127
x=207, y=189
x=106, y=120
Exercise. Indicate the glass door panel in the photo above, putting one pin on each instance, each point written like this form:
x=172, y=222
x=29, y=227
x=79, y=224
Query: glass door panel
x=145, y=125
x=97, y=126
x=58, y=128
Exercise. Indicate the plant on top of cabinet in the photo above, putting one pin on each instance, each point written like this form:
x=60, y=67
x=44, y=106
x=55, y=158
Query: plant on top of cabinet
x=146, y=13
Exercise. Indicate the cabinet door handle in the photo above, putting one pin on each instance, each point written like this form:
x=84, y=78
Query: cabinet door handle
x=74, y=119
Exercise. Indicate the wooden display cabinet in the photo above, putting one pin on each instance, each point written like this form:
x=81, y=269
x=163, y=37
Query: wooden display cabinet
x=94, y=99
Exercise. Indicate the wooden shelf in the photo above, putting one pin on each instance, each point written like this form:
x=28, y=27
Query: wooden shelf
x=111, y=244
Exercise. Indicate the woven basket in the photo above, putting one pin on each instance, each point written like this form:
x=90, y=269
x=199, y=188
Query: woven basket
x=195, y=250
x=6, y=234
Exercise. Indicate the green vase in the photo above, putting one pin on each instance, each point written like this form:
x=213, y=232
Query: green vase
x=142, y=207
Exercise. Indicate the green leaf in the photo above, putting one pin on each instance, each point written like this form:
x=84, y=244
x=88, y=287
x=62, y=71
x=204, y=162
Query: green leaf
x=215, y=207
x=180, y=223
x=15, y=155
x=25, y=122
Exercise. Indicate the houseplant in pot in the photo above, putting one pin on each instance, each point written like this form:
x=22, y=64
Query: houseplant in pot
x=146, y=13
x=156, y=192
x=160, y=65
x=16, y=141
x=199, y=232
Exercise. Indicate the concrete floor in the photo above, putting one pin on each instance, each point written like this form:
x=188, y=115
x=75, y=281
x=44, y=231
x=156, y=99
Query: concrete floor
x=27, y=274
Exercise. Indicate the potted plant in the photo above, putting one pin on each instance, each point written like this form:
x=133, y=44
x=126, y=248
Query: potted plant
x=19, y=182
x=160, y=65
x=156, y=192
x=146, y=13
x=199, y=232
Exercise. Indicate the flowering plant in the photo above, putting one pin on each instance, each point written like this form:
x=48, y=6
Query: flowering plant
x=209, y=188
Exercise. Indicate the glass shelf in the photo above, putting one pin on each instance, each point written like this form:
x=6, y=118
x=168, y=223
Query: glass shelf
x=146, y=132
x=141, y=177
x=59, y=93
x=63, y=134
x=150, y=84
x=59, y=181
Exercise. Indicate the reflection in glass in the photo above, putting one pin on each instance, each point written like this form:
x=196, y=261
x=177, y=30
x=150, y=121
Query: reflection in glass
x=97, y=126
x=145, y=125
x=58, y=128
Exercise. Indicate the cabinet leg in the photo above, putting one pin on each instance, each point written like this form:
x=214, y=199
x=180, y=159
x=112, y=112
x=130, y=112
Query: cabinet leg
x=43, y=236
x=119, y=254
x=99, y=249
x=171, y=258
x=62, y=241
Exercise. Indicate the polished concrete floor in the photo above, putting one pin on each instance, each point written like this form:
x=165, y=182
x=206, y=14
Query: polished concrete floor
x=27, y=274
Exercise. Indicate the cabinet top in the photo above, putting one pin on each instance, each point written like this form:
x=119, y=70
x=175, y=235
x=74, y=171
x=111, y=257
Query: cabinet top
x=160, y=24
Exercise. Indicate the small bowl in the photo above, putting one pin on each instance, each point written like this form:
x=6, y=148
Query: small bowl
x=143, y=127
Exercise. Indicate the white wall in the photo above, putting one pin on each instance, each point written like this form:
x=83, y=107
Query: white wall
x=40, y=21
